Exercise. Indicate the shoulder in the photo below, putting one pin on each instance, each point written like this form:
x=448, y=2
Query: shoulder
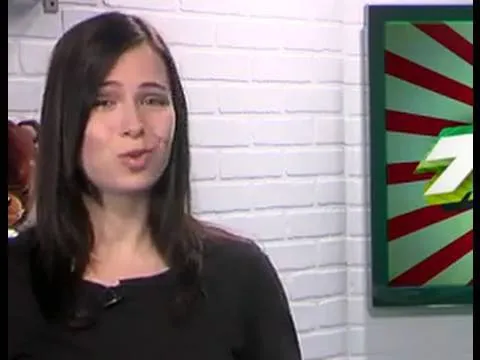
x=235, y=258
x=23, y=314
x=248, y=279
x=19, y=258
x=19, y=251
x=223, y=247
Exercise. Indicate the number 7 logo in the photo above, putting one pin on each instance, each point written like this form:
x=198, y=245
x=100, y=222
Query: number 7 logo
x=451, y=159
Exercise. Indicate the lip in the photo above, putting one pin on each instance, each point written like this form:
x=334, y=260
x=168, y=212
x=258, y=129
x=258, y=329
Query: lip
x=135, y=153
x=136, y=160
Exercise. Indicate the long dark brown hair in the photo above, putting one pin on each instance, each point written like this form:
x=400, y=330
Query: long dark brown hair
x=79, y=64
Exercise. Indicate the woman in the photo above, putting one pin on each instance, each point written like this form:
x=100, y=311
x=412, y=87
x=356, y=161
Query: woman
x=116, y=267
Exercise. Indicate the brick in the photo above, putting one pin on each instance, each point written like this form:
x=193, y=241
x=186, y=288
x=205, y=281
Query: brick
x=71, y=17
x=357, y=310
x=226, y=7
x=293, y=130
x=315, y=223
x=250, y=99
x=352, y=38
x=357, y=252
x=281, y=254
x=310, y=285
x=79, y=2
x=20, y=115
x=261, y=225
x=24, y=95
x=301, y=9
x=201, y=98
x=178, y=53
x=332, y=312
x=355, y=101
x=204, y=164
x=354, y=70
x=143, y=4
x=302, y=316
x=357, y=281
x=328, y=68
x=33, y=22
x=220, y=197
x=185, y=30
x=357, y=161
x=35, y=57
x=354, y=14
x=175, y=30
x=255, y=34
x=357, y=221
x=204, y=65
x=356, y=132
x=314, y=99
x=324, y=345
x=282, y=9
x=283, y=68
x=331, y=252
x=283, y=194
x=219, y=131
x=330, y=192
x=329, y=130
x=357, y=192
x=312, y=37
x=331, y=10
x=307, y=162
x=251, y=164
x=13, y=58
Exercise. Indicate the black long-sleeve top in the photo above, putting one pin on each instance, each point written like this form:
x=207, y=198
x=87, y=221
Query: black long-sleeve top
x=244, y=316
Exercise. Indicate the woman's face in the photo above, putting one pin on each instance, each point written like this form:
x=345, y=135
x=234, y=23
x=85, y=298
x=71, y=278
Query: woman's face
x=129, y=133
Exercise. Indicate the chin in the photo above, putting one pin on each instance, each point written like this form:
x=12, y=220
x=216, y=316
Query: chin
x=134, y=186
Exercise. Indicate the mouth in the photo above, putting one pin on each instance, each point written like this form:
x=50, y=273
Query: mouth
x=136, y=160
x=135, y=153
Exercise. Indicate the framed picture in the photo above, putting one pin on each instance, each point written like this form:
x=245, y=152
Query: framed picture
x=420, y=61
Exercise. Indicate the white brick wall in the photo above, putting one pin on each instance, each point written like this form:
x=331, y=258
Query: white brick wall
x=277, y=127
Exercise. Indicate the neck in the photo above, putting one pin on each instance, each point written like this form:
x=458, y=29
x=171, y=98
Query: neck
x=123, y=247
x=119, y=219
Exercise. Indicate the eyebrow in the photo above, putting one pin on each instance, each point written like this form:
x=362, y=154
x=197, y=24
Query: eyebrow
x=144, y=85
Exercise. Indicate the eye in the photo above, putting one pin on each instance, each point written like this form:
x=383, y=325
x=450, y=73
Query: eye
x=156, y=100
x=104, y=104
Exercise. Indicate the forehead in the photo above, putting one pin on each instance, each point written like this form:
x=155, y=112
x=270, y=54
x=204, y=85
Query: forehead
x=139, y=64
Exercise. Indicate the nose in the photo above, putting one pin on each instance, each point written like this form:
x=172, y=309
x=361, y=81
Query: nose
x=132, y=123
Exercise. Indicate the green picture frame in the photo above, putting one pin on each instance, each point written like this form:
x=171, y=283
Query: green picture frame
x=409, y=81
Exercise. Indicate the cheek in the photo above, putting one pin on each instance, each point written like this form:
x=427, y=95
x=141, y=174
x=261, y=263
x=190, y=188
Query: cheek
x=164, y=129
x=94, y=142
x=87, y=149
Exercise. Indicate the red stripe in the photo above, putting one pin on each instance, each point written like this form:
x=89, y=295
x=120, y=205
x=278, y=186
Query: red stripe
x=419, y=75
x=436, y=263
x=400, y=173
x=417, y=124
x=450, y=39
x=418, y=219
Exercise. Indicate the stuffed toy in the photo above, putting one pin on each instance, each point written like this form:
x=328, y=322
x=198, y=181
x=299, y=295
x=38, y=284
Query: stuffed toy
x=22, y=139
